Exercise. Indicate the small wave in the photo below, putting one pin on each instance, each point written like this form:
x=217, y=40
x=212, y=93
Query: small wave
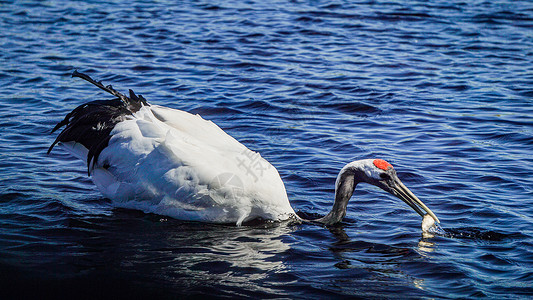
x=356, y=108
x=474, y=233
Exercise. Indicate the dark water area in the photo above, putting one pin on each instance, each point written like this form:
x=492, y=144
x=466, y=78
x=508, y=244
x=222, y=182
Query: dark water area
x=443, y=90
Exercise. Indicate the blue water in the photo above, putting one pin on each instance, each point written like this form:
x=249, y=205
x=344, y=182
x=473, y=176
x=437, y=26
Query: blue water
x=443, y=90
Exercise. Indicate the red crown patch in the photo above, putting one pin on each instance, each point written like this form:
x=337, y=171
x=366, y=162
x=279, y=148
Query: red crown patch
x=381, y=164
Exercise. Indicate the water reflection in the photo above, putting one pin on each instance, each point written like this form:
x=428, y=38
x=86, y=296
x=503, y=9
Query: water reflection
x=425, y=246
x=358, y=261
x=345, y=243
x=185, y=254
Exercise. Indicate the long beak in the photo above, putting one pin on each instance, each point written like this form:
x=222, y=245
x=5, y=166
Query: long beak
x=401, y=191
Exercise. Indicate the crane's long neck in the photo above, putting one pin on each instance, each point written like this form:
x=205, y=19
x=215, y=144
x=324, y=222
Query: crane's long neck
x=344, y=188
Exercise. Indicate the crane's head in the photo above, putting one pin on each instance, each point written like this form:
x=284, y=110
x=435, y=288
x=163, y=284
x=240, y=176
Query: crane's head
x=376, y=172
x=381, y=174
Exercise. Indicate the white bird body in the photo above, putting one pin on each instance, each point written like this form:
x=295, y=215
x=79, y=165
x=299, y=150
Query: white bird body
x=167, y=161
x=170, y=162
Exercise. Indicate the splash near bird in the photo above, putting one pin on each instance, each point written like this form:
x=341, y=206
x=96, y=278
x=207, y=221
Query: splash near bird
x=169, y=162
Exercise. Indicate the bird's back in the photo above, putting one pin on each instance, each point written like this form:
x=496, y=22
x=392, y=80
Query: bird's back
x=171, y=162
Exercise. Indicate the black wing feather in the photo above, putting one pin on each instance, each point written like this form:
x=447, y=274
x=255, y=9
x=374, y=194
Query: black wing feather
x=90, y=124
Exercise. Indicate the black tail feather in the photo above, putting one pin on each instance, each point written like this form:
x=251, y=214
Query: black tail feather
x=134, y=102
x=90, y=124
x=94, y=153
x=99, y=84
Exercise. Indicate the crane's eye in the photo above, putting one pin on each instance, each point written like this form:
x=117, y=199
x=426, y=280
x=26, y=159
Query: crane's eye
x=384, y=176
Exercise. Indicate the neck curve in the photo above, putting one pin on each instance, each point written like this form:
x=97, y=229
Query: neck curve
x=345, y=185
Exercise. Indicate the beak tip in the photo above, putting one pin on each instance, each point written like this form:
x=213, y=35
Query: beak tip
x=435, y=218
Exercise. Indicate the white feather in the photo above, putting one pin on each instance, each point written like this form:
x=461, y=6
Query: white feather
x=364, y=165
x=171, y=162
x=76, y=149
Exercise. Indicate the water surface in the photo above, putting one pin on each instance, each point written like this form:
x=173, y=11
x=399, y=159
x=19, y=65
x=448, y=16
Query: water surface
x=441, y=89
